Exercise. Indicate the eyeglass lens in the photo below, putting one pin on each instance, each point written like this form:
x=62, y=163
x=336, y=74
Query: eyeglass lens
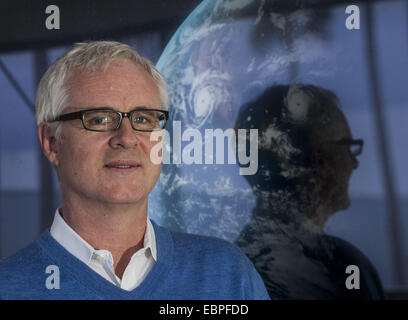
x=355, y=149
x=355, y=146
x=108, y=120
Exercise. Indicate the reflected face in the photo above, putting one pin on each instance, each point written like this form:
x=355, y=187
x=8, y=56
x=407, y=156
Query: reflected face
x=110, y=167
x=339, y=165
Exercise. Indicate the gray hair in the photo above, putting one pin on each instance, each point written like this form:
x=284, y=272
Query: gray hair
x=52, y=92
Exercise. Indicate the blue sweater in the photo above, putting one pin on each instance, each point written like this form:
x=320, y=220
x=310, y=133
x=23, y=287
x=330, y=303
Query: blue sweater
x=188, y=267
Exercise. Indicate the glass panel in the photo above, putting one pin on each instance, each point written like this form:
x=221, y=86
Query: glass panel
x=255, y=56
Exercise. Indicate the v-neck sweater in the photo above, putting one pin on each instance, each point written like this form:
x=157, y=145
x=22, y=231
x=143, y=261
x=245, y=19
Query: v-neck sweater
x=188, y=267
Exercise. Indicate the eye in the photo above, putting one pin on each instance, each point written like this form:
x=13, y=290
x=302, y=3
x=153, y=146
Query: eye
x=148, y=120
x=144, y=118
x=99, y=120
x=140, y=119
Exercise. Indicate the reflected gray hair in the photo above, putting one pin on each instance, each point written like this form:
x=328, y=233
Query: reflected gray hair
x=52, y=92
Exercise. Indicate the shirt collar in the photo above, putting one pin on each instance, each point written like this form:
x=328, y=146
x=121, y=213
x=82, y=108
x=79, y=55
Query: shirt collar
x=150, y=239
x=81, y=249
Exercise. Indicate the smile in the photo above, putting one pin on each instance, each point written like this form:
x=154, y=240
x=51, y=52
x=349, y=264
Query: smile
x=122, y=164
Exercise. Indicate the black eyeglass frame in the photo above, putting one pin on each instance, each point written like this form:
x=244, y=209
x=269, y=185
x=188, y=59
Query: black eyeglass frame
x=80, y=115
x=353, y=142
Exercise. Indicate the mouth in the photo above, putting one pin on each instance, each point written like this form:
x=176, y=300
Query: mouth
x=122, y=165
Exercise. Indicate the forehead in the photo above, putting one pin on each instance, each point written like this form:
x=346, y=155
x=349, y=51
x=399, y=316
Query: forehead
x=122, y=85
x=333, y=129
x=338, y=129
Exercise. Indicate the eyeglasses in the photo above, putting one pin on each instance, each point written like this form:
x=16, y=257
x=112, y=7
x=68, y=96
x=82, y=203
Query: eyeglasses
x=355, y=145
x=102, y=120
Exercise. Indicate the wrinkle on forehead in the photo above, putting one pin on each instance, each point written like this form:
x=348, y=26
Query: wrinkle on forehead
x=123, y=84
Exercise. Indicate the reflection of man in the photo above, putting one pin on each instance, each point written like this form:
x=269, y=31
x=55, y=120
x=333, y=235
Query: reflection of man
x=306, y=156
x=95, y=109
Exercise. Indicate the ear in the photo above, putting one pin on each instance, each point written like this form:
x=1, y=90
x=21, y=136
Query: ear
x=48, y=143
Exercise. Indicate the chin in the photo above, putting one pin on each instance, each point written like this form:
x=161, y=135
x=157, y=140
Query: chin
x=339, y=199
x=346, y=203
x=125, y=195
x=342, y=203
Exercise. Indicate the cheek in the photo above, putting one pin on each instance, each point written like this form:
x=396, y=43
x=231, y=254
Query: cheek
x=73, y=156
x=345, y=166
x=153, y=150
x=153, y=153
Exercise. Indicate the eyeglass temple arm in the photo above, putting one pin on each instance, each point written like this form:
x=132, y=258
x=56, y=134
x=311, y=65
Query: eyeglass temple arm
x=68, y=116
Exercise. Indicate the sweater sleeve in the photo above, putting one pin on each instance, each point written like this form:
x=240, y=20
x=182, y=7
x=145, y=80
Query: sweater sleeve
x=255, y=289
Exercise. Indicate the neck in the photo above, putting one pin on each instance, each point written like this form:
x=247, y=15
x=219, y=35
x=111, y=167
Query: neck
x=283, y=208
x=320, y=217
x=118, y=228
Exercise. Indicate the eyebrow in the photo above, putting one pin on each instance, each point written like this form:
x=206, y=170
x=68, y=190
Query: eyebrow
x=350, y=141
x=114, y=109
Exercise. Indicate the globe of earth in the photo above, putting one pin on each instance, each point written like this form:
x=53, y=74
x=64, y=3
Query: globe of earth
x=223, y=56
x=262, y=67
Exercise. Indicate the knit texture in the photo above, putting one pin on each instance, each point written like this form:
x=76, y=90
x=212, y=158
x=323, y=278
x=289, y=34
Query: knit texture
x=188, y=267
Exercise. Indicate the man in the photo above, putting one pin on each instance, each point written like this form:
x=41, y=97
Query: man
x=96, y=109
x=307, y=156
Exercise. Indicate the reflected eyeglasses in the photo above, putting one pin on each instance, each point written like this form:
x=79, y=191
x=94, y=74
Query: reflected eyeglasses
x=103, y=120
x=355, y=145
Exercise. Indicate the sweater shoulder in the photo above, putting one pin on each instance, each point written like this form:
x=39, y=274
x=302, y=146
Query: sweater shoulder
x=346, y=254
x=215, y=255
x=206, y=245
x=18, y=263
x=22, y=273
x=216, y=267
x=349, y=253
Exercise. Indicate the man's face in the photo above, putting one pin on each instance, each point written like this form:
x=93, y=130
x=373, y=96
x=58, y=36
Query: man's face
x=340, y=164
x=108, y=167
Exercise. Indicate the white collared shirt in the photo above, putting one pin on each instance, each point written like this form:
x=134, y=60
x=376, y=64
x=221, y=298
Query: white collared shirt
x=101, y=261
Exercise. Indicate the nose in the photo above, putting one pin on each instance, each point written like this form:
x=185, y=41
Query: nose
x=124, y=137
